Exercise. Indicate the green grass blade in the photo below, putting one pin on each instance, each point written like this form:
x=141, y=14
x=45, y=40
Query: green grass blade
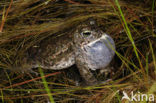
x=46, y=86
x=2, y=97
x=153, y=56
x=128, y=32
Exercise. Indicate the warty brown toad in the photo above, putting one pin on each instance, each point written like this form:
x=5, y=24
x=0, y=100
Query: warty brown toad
x=88, y=47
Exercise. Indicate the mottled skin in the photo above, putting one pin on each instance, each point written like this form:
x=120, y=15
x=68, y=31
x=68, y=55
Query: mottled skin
x=88, y=39
x=53, y=53
x=63, y=51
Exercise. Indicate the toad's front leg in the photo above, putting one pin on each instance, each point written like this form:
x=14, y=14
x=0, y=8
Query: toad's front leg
x=86, y=74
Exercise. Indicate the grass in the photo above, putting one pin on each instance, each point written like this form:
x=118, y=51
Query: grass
x=2, y=96
x=153, y=55
x=46, y=86
x=26, y=23
x=128, y=31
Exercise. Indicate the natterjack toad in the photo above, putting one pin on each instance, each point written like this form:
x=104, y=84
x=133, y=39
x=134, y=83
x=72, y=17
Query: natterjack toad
x=88, y=47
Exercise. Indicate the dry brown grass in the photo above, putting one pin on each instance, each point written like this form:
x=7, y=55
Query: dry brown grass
x=26, y=22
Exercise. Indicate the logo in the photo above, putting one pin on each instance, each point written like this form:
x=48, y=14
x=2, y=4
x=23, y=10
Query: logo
x=137, y=96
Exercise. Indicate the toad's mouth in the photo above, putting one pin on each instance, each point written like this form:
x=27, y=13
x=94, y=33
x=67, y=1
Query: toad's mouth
x=99, y=53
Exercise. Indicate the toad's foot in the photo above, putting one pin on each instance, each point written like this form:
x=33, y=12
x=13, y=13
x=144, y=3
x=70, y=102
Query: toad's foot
x=108, y=70
x=25, y=68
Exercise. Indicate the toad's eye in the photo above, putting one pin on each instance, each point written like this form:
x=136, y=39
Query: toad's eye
x=86, y=33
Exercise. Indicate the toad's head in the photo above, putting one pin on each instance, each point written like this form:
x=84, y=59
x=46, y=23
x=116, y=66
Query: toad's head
x=93, y=47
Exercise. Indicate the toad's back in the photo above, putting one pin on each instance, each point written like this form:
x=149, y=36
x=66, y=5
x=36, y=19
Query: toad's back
x=52, y=53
